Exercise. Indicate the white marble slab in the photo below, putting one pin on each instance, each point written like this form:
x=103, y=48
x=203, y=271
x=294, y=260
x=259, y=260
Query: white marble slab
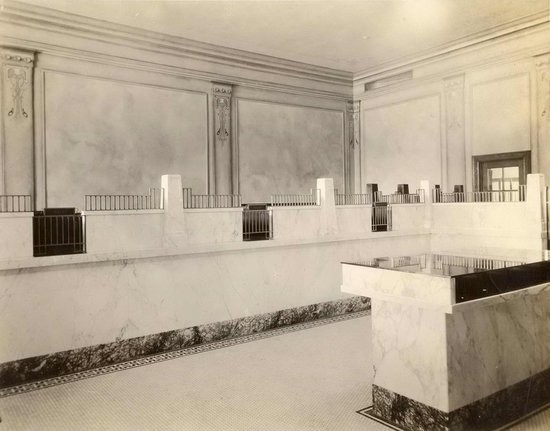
x=409, y=352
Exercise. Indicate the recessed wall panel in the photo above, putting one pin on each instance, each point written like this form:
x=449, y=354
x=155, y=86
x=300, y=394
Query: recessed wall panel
x=500, y=115
x=402, y=143
x=110, y=137
x=285, y=148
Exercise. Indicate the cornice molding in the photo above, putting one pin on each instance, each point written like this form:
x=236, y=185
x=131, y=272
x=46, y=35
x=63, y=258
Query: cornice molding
x=37, y=17
x=172, y=70
x=471, y=42
x=535, y=53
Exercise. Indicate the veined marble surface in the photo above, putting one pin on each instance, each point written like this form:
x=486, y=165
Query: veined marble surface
x=497, y=346
x=410, y=352
x=422, y=289
x=127, y=298
x=451, y=360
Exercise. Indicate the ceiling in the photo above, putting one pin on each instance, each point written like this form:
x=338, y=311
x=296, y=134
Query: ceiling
x=350, y=35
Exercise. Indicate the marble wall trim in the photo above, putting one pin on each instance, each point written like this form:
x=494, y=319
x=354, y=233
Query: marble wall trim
x=55, y=365
x=489, y=413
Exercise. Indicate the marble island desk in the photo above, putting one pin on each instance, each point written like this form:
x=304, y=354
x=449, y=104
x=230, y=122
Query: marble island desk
x=459, y=342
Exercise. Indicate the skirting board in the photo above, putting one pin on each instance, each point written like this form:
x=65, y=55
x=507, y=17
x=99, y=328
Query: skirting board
x=54, y=365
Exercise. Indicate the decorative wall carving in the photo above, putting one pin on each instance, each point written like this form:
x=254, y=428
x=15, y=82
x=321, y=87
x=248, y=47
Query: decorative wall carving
x=18, y=80
x=17, y=70
x=222, y=107
x=16, y=147
x=222, y=137
x=353, y=171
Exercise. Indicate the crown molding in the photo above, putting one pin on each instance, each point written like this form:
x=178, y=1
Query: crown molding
x=468, y=59
x=472, y=41
x=175, y=70
x=36, y=17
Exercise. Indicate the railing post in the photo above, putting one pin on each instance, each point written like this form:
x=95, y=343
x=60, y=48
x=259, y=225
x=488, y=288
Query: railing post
x=173, y=207
x=425, y=187
x=329, y=224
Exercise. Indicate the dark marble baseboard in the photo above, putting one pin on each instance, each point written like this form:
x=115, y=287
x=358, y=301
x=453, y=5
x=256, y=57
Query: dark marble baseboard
x=57, y=364
x=489, y=413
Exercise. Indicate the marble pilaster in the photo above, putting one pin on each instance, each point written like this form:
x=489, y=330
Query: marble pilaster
x=543, y=112
x=454, y=128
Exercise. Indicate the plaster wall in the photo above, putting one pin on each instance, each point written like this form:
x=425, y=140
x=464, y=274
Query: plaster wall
x=284, y=148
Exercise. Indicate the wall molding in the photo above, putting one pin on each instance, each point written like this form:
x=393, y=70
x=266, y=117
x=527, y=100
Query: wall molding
x=401, y=98
x=117, y=35
x=510, y=30
x=235, y=135
x=40, y=155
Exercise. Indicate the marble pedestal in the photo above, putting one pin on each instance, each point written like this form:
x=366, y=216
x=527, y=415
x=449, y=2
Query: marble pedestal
x=458, y=343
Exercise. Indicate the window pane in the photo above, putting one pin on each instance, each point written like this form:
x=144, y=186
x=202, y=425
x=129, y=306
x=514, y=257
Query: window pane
x=495, y=173
x=511, y=172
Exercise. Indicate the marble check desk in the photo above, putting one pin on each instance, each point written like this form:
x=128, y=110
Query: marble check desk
x=459, y=343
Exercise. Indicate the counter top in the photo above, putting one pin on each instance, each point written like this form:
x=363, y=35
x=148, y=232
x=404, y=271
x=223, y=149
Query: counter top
x=466, y=278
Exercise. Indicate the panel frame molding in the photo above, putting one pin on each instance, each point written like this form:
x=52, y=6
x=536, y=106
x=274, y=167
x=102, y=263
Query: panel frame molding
x=236, y=147
x=407, y=95
x=40, y=147
x=494, y=74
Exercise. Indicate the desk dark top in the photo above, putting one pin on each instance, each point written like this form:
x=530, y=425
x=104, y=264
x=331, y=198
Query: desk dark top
x=475, y=277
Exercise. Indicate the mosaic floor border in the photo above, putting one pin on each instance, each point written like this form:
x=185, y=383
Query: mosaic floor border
x=42, y=384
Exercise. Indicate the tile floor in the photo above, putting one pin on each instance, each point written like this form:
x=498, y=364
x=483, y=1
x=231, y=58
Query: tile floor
x=313, y=379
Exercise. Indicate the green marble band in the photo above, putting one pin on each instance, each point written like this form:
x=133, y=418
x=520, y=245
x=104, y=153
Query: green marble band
x=489, y=413
x=57, y=364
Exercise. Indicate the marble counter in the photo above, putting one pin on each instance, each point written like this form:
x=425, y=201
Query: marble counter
x=459, y=342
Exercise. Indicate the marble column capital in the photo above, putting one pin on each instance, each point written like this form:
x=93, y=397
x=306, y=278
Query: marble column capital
x=543, y=60
x=222, y=89
x=16, y=57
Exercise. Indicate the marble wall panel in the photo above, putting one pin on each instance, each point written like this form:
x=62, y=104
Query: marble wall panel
x=500, y=115
x=408, y=217
x=285, y=148
x=110, y=137
x=402, y=143
x=409, y=352
x=297, y=223
x=353, y=219
x=212, y=226
x=58, y=308
x=113, y=231
x=15, y=236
